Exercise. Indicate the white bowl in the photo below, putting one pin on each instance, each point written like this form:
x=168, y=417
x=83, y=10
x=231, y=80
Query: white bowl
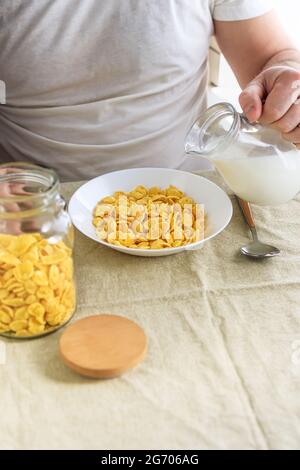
x=217, y=204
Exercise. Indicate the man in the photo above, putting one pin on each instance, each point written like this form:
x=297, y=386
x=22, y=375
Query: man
x=99, y=85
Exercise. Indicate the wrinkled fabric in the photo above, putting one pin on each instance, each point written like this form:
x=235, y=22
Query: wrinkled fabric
x=223, y=365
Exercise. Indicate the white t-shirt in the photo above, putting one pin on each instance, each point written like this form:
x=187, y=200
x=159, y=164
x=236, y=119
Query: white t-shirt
x=100, y=85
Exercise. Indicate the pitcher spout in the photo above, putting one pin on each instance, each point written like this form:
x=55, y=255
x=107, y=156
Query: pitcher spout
x=213, y=131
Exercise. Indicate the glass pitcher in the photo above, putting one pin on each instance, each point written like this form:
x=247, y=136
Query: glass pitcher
x=255, y=162
x=37, y=289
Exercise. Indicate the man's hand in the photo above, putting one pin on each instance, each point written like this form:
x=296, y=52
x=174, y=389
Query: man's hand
x=273, y=98
x=260, y=48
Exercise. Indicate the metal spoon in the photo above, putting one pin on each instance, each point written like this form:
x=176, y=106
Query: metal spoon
x=256, y=249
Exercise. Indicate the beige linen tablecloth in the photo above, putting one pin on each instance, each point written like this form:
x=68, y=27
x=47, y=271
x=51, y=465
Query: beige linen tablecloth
x=223, y=366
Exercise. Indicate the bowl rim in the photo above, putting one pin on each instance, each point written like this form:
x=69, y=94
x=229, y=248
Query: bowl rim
x=124, y=249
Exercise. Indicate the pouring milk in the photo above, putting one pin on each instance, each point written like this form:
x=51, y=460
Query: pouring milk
x=256, y=163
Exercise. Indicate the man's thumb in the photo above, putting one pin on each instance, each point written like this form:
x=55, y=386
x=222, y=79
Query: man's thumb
x=251, y=100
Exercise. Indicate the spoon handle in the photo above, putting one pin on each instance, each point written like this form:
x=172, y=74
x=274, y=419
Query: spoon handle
x=247, y=212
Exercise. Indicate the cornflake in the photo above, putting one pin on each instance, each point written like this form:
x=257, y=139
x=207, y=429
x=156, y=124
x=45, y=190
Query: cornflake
x=37, y=290
x=149, y=218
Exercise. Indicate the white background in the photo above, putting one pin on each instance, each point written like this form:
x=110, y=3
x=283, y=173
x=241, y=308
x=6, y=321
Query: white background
x=289, y=12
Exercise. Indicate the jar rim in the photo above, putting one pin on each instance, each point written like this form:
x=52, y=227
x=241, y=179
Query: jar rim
x=203, y=123
x=12, y=171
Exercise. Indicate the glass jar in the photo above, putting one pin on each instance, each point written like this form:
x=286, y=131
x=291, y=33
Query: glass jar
x=255, y=162
x=37, y=289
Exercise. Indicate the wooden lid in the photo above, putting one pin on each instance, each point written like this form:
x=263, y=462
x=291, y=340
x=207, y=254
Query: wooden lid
x=103, y=346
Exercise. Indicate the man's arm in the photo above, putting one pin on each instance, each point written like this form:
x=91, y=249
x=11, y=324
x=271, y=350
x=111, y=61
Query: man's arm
x=267, y=66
